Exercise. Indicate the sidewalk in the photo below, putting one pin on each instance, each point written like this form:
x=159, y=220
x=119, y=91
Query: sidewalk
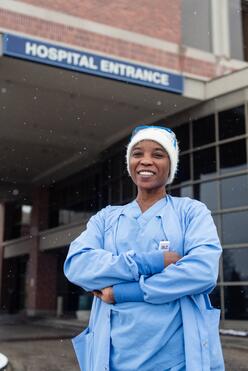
x=44, y=344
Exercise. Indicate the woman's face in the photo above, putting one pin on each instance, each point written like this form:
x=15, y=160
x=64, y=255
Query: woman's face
x=149, y=165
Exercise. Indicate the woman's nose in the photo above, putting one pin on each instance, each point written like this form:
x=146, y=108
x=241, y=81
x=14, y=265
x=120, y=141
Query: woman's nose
x=146, y=160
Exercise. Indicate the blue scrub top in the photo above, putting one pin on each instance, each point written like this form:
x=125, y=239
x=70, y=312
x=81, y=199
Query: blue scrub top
x=140, y=281
x=156, y=328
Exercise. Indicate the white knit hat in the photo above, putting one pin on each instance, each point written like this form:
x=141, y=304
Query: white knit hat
x=162, y=135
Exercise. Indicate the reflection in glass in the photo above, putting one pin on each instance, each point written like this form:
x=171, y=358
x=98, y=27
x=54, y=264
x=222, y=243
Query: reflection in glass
x=234, y=227
x=234, y=191
x=186, y=191
x=204, y=163
x=216, y=218
x=203, y=131
x=207, y=192
x=232, y=122
x=127, y=189
x=235, y=264
x=115, y=192
x=236, y=302
x=183, y=173
x=233, y=156
x=182, y=134
x=215, y=297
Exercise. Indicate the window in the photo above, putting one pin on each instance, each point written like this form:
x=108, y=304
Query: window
x=204, y=163
x=182, y=134
x=233, y=156
x=207, y=192
x=234, y=191
x=232, y=122
x=235, y=264
x=183, y=173
x=234, y=227
x=236, y=302
x=203, y=131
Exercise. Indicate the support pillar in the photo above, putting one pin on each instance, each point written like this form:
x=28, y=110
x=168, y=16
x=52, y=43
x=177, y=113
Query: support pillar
x=42, y=266
x=2, y=209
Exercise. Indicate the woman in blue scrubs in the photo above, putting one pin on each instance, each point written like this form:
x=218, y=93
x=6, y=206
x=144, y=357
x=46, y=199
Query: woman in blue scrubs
x=150, y=265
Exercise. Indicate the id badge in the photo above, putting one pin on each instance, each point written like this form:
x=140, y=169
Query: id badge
x=164, y=245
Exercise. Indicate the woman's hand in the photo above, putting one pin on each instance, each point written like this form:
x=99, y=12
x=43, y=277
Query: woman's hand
x=106, y=295
x=170, y=257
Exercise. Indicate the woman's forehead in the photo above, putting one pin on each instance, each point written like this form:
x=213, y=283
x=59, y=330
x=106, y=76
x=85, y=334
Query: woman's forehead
x=147, y=143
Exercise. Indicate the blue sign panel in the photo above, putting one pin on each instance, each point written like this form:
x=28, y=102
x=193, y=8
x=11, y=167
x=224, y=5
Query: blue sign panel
x=89, y=63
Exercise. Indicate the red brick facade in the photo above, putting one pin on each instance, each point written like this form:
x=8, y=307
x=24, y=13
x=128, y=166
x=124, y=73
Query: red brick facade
x=157, y=18
x=142, y=17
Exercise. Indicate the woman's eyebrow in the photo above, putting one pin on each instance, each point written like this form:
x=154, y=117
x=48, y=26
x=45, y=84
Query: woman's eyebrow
x=159, y=149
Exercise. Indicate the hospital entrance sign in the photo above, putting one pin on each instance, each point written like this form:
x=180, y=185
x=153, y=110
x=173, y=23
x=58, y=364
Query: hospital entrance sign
x=94, y=64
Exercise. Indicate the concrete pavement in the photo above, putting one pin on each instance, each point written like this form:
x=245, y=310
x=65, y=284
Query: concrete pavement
x=44, y=344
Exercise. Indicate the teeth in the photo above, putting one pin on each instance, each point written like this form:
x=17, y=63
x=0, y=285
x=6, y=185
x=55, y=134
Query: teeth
x=145, y=173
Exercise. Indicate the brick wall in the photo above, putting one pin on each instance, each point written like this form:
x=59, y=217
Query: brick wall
x=99, y=43
x=157, y=18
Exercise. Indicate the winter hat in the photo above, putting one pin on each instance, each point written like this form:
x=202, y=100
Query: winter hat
x=162, y=135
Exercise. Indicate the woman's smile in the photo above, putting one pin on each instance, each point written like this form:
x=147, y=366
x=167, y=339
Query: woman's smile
x=149, y=165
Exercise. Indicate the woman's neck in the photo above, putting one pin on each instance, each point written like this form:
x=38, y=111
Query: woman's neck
x=146, y=199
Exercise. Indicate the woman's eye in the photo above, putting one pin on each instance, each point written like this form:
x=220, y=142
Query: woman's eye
x=137, y=154
x=158, y=155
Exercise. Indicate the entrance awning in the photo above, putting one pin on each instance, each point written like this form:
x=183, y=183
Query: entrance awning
x=54, y=122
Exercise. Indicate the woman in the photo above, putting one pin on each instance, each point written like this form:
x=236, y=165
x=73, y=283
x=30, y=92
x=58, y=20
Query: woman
x=151, y=309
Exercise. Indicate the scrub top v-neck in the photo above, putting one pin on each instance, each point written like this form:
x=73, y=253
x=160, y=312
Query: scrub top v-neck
x=150, y=334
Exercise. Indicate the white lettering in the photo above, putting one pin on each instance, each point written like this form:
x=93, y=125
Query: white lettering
x=75, y=58
x=114, y=68
x=156, y=77
x=122, y=69
x=139, y=74
x=92, y=64
x=52, y=54
x=165, y=79
x=104, y=65
x=62, y=54
x=42, y=51
x=148, y=75
x=130, y=71
x=30, y=48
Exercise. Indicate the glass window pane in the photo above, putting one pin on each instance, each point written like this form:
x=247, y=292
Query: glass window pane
x=232, y=122
x=183, y=192
x=183, y=173
x=233, y=156
x=234, y=227
x=207, y=192
x=215, y=297
x=204, y=163
x=216, y=218
x=176, y=192
x=115, y=192
x=182, y=134
x=203, y=131
x=236, y=302
x=235, y=264
x=187, y=191
x=115, y=165
x=234, y=191
x=127, y=189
